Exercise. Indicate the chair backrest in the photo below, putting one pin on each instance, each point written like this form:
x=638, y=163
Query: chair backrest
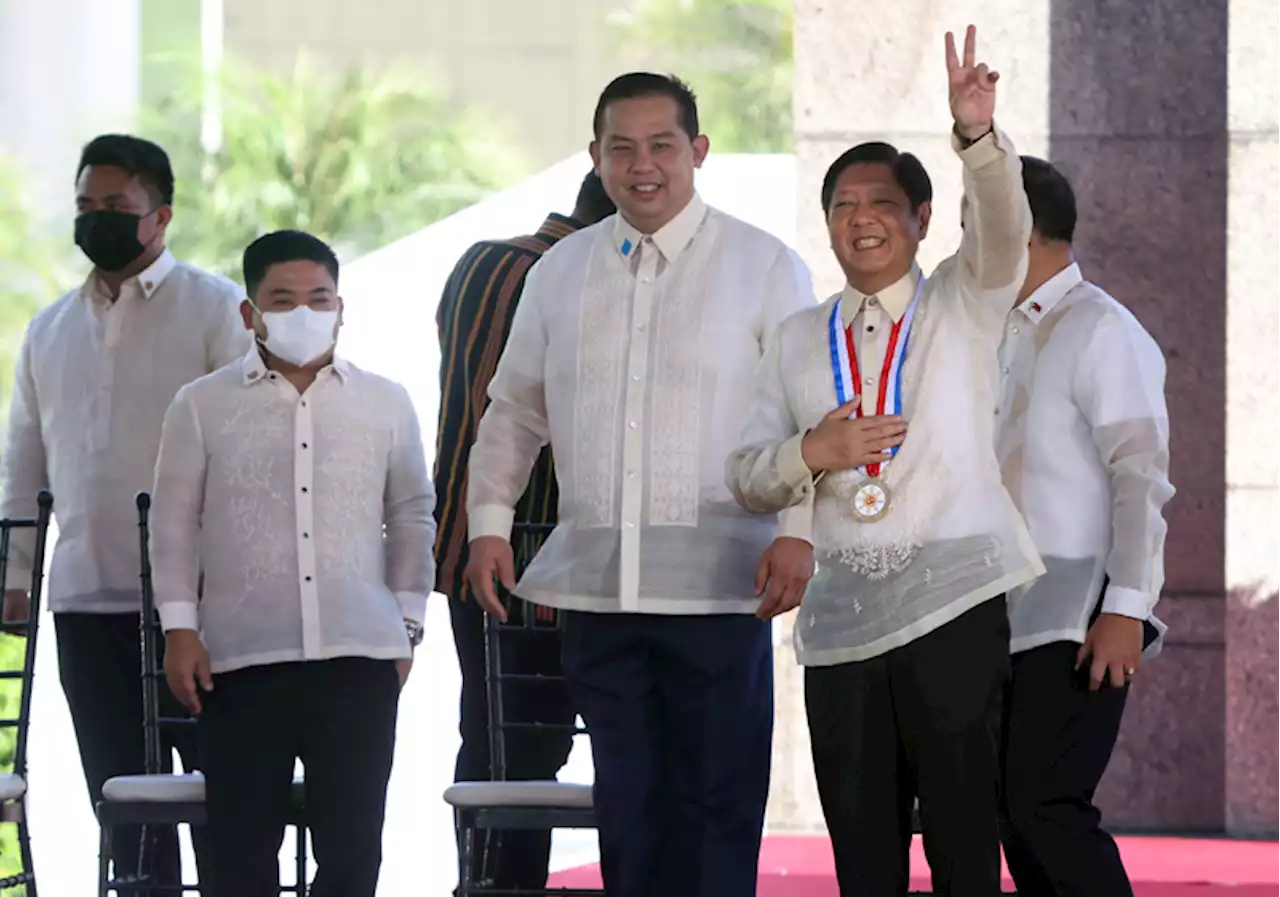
x=151, y=637
x=29, y=628
x=524, y=620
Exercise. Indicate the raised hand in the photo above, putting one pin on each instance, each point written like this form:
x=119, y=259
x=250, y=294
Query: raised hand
x=972, y=88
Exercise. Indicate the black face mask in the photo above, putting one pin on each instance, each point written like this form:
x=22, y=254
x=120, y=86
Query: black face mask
x=109, y=239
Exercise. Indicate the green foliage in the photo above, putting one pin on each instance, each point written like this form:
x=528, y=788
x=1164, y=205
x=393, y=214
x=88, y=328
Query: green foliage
x=737, y=56
x=26, y=274
x=357, y=159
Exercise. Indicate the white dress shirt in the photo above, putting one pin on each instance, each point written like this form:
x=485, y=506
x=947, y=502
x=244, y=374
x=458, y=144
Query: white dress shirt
x=634, y=356
x=310, y=515
x=1084, y=447
x=91, y=386
x=952, y=537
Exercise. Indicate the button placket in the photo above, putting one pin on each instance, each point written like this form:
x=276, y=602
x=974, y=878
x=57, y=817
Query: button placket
x=633, y=434
x=304, y=521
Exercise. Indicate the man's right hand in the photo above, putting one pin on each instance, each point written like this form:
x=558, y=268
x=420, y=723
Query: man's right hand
x=840, y=442
x=17, y=606
x=491, y=558
x=186, y=667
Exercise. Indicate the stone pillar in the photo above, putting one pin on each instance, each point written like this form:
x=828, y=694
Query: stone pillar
x=70, y=71
x=1176, y=180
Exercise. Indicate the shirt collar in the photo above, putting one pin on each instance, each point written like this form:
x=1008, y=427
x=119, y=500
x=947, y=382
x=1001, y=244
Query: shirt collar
x=894, y=298
x=254, y=370
x=148, y=279
x=1050, y=293
x=671, y=239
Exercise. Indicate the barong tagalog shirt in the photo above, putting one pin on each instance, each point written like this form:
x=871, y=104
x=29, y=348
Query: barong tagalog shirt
x=1083, y=441
x=309, y=516
x=633, y=356
x=948, y=537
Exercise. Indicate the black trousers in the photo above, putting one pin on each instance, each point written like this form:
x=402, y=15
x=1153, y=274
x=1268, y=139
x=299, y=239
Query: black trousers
x=1058, y=741
x=100, y=665
x=921, y=721
x=339, y=717
x=515, y=859
x=680, y=711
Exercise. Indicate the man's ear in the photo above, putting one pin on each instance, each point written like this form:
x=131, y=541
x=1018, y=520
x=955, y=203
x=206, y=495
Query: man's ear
x=594, y=149
x=164, y=214
x=924, y=215
x=701, y=146
x=246, y=313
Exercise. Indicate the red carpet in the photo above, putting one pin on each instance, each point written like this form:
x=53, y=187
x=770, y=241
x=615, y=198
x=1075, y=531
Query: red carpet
x=800, y=866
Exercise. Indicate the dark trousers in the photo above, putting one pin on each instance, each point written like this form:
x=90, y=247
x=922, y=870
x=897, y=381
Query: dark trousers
x=514, y=859
x=1058, y=741
x=100, y=665
x=680, y=713
x=339, y=717
x=920, y=721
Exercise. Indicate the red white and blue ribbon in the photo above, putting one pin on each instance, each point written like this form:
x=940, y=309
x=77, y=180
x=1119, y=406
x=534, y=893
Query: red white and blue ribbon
x=844, y=365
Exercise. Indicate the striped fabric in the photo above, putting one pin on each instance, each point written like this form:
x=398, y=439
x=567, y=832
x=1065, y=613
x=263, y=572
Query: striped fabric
x=474, y=319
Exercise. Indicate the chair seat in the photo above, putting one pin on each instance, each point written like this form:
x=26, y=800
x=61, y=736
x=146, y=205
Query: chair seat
x=552, y=795
x=167, y=788
x=12, y=786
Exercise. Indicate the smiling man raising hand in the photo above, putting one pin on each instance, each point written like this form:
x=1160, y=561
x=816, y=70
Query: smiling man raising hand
x=903, y=629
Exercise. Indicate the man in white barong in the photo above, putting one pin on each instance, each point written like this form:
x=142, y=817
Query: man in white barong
x=878, y=406
x=632, y=353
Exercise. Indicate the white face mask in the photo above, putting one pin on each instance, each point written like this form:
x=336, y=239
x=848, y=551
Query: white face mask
x=301, y=335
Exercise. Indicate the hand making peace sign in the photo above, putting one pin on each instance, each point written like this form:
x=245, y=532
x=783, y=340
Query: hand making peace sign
x=972, y=88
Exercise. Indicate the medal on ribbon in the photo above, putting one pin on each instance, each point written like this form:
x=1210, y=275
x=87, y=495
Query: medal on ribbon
x=872, y=497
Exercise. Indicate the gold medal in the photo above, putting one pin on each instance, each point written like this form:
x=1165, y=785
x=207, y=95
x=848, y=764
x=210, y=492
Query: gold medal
x=871, y=500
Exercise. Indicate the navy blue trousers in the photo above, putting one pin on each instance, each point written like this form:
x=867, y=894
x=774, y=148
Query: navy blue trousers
x=680, y=713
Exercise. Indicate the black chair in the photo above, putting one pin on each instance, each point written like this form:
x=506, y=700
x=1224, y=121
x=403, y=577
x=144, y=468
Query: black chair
x=484, y=810
x=159, y=798
x=13, y=784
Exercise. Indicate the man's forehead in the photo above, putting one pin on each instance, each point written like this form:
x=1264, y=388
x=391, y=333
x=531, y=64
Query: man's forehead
x=867, y=173
x=639, y=118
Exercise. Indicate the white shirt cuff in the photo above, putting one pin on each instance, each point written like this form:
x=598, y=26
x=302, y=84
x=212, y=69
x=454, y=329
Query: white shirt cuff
x=413, y=606
x=1127, y=603
x=987, y=149
x=490, y=520
x=179, y=615
x=796, y=522
x=791, y=467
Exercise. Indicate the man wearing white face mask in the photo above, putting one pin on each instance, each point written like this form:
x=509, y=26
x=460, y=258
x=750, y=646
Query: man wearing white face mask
x=298, y=484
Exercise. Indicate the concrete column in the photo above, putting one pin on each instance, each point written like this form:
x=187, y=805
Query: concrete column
x=1176, y=179
x=70, y=71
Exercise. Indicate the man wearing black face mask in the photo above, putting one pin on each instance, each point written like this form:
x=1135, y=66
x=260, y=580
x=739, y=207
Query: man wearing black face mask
x=97, y=371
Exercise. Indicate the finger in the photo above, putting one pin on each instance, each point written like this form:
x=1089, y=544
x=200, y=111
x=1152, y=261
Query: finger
x=1082, y=653
x=204, y=674
x=1118, y=677
x=792, y=598
x=507, y=571
x=1097, y=672
x=992, y=78
x=767, y=608
x=762, y=575
x=980, y=74
x=970, y=46
x=186, y=692
x=488, y=598
x=847, y=410
x=953, y=62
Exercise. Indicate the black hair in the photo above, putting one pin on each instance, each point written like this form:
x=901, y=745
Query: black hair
x=647, y=84
x=1053, y=202
x=284, y=246
x=593, y=204
x=907, y=171
x=142, y=159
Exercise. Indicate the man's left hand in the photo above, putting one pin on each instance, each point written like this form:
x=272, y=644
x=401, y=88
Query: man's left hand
x=403, y=667
x=972, y=88
x=1114, y=643
x=785, y=569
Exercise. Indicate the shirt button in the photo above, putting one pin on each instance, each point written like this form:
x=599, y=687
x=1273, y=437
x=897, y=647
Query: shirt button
x=306, y=535
x=631, y=524
x=871, y=329
x=304, y=488
x=873, y=302
x=633, y=424
x=635, y=377
x=631, y=474
x=308, y=579
x=304, y=403
x=1015, y=330
x=304, y=445
x=1006, y=370
x=869, y=380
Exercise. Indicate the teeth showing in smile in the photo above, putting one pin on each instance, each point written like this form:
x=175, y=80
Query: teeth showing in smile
x=867, y=243
x=646, y=188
